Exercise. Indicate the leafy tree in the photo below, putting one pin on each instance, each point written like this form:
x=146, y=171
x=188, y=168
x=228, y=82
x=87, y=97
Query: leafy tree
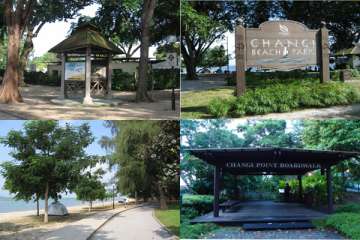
x=203, y=23
x=90, y=188
x=48, y=159
x=341, y=135
x=214, y=57
x=24, y=20
x=146, y=154
x=42, y=61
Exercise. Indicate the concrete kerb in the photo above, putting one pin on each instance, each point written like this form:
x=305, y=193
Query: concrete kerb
x=163, y=226
x=111, y=217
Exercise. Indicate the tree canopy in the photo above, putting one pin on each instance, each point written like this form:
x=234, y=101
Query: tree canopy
x=48, y=159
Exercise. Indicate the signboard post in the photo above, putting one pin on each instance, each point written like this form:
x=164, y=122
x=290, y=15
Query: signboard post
x=280, y=45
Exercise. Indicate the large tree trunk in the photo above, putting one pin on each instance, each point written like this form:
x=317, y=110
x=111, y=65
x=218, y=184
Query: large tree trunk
x=9, y=91
x=190, y=60
x=46, y=213
x=191, y=71
x=162, y=197
x=147, y=15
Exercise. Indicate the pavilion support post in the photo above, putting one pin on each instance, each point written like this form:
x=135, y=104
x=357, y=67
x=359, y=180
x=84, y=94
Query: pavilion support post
x=87, y=98
x=109, y=76
x=216, y=190
x=300, y=188
x=329, y=190
x=62, y=89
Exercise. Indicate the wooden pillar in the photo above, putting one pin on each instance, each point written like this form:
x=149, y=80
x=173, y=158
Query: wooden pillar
x=216, y=190
x=324, y=53
x=240, y=55
x=109, y=76
x=62, y=89
x=300, y=188
x=87, y=98
x=329, y=189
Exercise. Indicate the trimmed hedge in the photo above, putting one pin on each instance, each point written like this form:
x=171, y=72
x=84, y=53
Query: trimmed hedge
x=196, y=231
x=285, y=98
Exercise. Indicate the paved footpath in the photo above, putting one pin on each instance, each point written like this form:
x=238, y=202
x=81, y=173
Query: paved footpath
x=237, y=233
x=136, y=224
x=82, y=229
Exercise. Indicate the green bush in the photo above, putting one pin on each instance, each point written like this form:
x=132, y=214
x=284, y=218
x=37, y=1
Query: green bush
x=199, y=203
x=165, y=78
x=284, y=98
x=40, y=78
x=350, y=208
x=196, y=231
x=345, y=223
x=123, y=81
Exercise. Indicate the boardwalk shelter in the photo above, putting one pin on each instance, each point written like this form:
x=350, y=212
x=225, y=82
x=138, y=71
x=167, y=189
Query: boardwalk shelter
x=85, y=62
x=270, y=161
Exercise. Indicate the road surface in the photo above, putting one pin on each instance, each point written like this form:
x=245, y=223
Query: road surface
x=135, y=224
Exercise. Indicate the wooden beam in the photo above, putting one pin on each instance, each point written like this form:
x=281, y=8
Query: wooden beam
x=329, y=190
x=109, y=76
x=87, y=98
x=300, y=188
x=216, y=190
x=62, y=89
x=324, y=54
x=240, y=55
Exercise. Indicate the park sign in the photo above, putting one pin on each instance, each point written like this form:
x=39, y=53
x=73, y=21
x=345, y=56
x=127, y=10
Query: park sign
x=280, y=45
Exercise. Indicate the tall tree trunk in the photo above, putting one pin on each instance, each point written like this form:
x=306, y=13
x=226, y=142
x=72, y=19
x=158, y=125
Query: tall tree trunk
x=190, y=60
x=136, y=198
x=24, y=57
x=147, y=15
x=191, y=71
x=37, y=205
x=162, y=197
x=46, y=213
x=9, y=91
x=90, y=205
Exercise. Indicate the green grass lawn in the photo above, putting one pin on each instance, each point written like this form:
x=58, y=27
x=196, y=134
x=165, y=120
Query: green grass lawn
x=194, y=103
x=170, y=218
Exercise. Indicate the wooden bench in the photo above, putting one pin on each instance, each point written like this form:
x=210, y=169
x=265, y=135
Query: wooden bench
x=228, y=204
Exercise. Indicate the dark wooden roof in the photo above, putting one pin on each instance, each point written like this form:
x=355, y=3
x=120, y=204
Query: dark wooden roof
x=84, y=36
x=263, y=161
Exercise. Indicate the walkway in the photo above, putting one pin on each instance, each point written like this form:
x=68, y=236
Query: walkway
x=39, y=99
x=237, y=233
x=136, y=224
x=262, y=211
x=201, y=84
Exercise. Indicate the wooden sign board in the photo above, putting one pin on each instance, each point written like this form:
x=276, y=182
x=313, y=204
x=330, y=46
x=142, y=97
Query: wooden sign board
x=271, y=165
x=280, y=45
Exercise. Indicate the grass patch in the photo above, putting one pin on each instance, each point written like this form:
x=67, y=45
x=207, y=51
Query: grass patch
x=194, y=104
x=170, y=218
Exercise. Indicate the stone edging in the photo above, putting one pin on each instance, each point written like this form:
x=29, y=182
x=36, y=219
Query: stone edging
x=107, y=220
x=163, y=226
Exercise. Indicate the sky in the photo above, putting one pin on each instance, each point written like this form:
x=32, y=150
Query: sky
x=53, y=33
x=97, y=128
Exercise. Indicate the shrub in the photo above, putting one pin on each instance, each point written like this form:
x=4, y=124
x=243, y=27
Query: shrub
x=285, y=98
x=165, y=78
x=196, y=231
x=123, y=81
x=350, y=208
x=40, y=78
x=199, y=203
x=345, y=223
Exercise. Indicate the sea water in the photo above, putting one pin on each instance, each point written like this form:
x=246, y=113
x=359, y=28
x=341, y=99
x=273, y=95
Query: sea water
x=8, y=204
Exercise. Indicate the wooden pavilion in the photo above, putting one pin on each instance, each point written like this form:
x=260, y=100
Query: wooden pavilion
x=269, y=161
x=84, y=47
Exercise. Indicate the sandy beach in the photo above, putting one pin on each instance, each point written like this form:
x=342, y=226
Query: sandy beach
x=26, y=225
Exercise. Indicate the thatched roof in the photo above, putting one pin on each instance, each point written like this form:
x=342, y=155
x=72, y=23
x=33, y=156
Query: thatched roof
x=84, y=36
x=349, y=51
